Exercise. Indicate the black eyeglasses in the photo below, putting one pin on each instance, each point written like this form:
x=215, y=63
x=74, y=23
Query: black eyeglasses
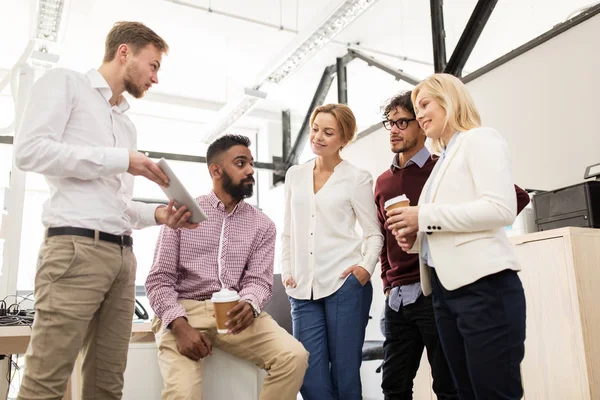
x=401, y=124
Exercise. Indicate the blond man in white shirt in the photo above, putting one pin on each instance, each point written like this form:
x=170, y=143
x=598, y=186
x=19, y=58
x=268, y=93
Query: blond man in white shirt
x=327, y=265
x=75, y=132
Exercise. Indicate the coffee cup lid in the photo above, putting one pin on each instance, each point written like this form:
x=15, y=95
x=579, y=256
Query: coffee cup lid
x=224, y=296
x=395, y=200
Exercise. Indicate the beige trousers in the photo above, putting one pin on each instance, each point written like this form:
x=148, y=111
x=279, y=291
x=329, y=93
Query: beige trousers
x=84, y=301
x=264, y=343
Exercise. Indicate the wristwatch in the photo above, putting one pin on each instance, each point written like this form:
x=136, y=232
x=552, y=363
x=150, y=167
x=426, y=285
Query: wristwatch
x=255, y=308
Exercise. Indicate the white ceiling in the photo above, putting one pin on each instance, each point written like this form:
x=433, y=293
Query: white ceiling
x=213, y=57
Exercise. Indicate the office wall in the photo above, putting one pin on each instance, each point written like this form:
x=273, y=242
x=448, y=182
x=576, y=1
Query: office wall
x=544, y=102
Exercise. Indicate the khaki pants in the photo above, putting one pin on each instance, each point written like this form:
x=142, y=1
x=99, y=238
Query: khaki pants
x=84, y=300
x=264, y=343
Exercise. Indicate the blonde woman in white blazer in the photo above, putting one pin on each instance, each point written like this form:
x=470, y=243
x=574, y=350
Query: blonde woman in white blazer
x=466, y=260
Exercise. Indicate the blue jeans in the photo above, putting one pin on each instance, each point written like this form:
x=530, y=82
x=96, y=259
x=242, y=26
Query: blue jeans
x=332, y=330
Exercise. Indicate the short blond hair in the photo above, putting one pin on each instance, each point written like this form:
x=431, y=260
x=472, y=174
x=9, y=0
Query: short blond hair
x=452, y=95
x=343, y=115
x=134, y=34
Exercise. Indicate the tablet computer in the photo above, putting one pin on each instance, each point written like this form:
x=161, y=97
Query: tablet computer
x=176, y=191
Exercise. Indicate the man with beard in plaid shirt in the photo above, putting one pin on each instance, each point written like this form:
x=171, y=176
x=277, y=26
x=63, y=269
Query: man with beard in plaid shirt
x=233, y=249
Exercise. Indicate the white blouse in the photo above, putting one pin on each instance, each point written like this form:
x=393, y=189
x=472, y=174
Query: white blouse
x=319, y=239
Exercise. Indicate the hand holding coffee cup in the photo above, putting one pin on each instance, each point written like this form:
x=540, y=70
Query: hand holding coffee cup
x=224, y=301
x=402, y=219
x=240, y=317
x=394, y=203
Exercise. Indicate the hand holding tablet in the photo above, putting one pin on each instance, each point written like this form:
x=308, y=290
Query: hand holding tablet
x=178, y=193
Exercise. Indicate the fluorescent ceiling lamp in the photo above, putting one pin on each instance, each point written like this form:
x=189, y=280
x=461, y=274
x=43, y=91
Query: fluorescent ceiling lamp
x=343, y=16
x=339, y=16
x=48, y=19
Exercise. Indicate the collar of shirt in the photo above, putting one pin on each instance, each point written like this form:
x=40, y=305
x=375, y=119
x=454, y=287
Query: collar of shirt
x=99, y=83
x=451, y=143
x=218, y=204
x=420, y=159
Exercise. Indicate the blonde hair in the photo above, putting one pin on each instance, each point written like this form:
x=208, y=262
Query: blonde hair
x=452, y=95
x=344, y=117
x=134, y=34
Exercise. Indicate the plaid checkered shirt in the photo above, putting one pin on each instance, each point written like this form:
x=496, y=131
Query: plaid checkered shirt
x=186, y=262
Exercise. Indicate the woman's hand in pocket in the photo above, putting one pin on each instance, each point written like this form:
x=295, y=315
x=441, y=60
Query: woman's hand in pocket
x=359, y=272
x=289, y=283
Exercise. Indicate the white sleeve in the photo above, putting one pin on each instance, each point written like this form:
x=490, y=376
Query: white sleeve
x=366, y=212
x=141, y=215
x=38, y=143
x=488, y=159
x=286, y=263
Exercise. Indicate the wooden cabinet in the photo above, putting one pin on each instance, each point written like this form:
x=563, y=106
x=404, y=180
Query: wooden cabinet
x=561, y=278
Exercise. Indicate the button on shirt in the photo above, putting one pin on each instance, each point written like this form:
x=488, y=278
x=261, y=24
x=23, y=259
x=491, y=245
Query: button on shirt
x=72, y=135
x=232, y=250
x=425, y=251
x=407, y=294
x=320, y=239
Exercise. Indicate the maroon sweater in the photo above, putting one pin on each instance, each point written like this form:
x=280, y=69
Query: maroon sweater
x=398, y=267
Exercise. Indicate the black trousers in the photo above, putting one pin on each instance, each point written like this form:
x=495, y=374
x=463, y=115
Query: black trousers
x=406, y=333
x=482, y=329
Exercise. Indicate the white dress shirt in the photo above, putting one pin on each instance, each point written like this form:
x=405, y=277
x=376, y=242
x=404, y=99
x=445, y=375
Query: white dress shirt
x=73, y=136
x=319, y=239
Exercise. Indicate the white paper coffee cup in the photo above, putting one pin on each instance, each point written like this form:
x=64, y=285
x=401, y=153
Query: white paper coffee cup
x=223, y=301
x=398, y=201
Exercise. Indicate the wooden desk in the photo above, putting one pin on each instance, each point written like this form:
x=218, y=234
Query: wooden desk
x=15, y=339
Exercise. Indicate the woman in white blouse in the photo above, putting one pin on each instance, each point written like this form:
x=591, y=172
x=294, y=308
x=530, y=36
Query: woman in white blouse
x=327, y=266
x=467, y=261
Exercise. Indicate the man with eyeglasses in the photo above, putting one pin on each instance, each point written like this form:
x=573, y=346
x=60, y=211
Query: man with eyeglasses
x=409, y=321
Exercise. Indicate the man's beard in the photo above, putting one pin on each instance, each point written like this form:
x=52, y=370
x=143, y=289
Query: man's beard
x=406, y=146
x=136, y=91
x=240, y=191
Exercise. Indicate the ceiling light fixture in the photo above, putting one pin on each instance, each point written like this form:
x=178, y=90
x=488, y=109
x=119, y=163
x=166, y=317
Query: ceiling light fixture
x=339, y=19
x=48, y=19
x=305, y=45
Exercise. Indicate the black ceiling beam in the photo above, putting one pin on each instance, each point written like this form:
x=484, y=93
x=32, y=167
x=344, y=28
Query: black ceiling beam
x=202, y=159
x=395, y=72
x=438, y=35
x=469, y=37
x=317, y=100
x=342, y=81
x=177, y=157
x=286, y=130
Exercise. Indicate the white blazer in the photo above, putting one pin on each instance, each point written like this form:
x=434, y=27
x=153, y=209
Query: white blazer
x=472, y=198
